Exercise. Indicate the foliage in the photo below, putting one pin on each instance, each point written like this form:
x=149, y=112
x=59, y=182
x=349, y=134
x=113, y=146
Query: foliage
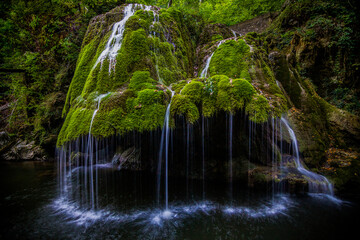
x=228, y=12
x=43, y=38
x=231, y=12
x=325, y=35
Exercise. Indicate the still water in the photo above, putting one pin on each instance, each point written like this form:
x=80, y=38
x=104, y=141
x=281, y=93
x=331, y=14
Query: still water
x=32, y=208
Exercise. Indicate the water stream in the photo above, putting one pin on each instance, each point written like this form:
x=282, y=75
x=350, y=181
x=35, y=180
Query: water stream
x=165, y=142
x=204, y=72
x=231, y=156
x=114, y=43
x=317, y=183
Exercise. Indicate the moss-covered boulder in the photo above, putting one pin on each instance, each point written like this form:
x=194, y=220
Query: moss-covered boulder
x=230, y=60
x=151, y=51
x=219, y=94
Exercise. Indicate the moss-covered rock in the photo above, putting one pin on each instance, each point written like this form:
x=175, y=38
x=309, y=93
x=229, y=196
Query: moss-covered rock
x=151, y=52
x=230, y=59
x=258, y=109
x=216, y=94
x=183, y=106
x=141, y=80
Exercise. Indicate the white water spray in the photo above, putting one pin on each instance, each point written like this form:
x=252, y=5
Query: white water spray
x=317, y=183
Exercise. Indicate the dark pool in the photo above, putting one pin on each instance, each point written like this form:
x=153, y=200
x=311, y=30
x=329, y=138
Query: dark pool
x=32, y=208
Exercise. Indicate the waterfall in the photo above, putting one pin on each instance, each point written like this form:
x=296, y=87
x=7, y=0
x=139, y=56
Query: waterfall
x=203, y=154
x=273, y=163
x=188, y=134
x=90, y=155
x=230, y=155
x=317, y=183
x=164, y=138
x=205, y=70
x=234, y=33
x=156, y=20
x=114, y=42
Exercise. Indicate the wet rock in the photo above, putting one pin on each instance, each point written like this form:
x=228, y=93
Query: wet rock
x=4, y=138
x=24, y=150
x=128, y=159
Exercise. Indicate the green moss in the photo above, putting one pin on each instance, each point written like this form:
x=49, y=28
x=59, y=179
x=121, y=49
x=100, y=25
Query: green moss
x=77, y=123
x=210, y=94
x=138, y=118
x=224, y=84
x=242, y=92
x=280, y=105
x=178, y=86
x=258, y=109
x=91, y=81
x=149, y=96
x=218, y=93
x=141, y=19
x=209, y=106
x=233, y=94
x=87, y=58
x=141, y=80
x=194, y=90
x=140, y=63
x=217, y=37
x=116, y=100
x=223, y=101
x=147, y=117
x=132, y=56
x=230, y=59
x=183, y=106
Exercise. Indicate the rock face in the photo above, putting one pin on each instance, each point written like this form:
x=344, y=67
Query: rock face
x=255, y=79
x=258, y=24
x=18, y=150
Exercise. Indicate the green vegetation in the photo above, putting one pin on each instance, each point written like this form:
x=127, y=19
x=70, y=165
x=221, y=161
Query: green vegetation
x=141, y=107
x=216, y=94
x=306, y=60
x=230, y=60
x=45, y=39
x=228, y=12
x=324, y=36
x=258, y=109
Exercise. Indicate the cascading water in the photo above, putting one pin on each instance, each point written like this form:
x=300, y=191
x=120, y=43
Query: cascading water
x=114, y=43
x=206, y=68
x=154, y=35
x=86, y=188
x=90, y=157
x=189, y=136
x=317, y=183
x=203, y=154
x=230, y=155
x=112, y=47
x=234, y=33
x=165, y=139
